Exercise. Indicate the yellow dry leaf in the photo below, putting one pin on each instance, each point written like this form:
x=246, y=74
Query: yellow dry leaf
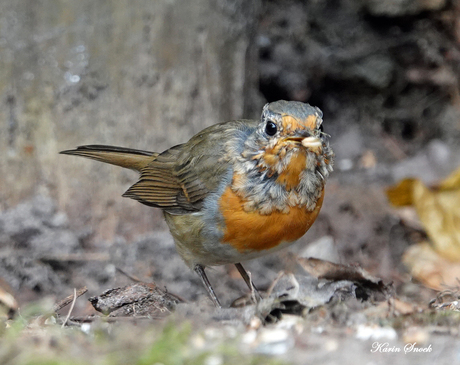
x=438, y=209
x=400, y=195
x=452, y=182
x=439, y=212
x=431, y=269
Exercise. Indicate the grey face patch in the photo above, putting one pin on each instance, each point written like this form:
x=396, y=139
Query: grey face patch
x=275, y=112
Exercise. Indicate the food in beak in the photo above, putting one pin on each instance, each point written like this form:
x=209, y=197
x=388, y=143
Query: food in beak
x=312, y=142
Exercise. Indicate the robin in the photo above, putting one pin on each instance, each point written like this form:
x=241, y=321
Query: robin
x=237, y=190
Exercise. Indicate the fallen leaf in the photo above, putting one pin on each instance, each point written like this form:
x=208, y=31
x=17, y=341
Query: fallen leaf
x=452, y=182
x=7, y=299
x=430, y=268
x=400, y=195
x=439, y=212
x=335, y=272
x=323, y=269
x=402, y=307
x=438, y=208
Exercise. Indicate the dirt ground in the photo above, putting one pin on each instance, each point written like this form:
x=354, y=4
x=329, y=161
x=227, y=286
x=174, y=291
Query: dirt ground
x=386, y=78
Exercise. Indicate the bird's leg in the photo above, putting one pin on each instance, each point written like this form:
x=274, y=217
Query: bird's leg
x=199, y=269
x=247, y=279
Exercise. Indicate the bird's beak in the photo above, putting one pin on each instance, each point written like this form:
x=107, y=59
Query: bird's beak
x=310, y=142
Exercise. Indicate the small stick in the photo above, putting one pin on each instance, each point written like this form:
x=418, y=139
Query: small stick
x=129, y=276
x=66, y=301
x=273, y=284
x=295, y=283
x=246, y=275
x=71, y=307
x=76, y=257
x=252, y=289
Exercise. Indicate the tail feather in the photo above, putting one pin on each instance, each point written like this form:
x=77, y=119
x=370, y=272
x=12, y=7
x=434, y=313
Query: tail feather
x=119, y=156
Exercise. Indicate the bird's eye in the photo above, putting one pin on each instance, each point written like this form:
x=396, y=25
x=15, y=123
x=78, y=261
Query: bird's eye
x=271, y=128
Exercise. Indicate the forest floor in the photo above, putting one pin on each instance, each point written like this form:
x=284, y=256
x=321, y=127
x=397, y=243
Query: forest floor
x=385, y=87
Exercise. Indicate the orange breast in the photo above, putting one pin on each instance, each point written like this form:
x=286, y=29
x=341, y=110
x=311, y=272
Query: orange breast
x=247, y=231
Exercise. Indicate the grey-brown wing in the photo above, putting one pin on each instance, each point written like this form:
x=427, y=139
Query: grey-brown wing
x=180, y=178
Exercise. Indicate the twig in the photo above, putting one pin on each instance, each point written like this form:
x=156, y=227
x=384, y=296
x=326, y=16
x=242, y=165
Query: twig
x=273, y=284
x=87, y=319
x=178, y=297
x=129, y=276
x=295, y=284
x=253, y=290
x=71, y=307
x=66, y=301
x=76, y=257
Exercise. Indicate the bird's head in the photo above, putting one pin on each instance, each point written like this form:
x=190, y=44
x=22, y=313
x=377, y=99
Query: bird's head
x=290, y=144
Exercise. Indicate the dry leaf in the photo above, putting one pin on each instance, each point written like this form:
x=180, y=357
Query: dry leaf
x=438, y=209
x=452, y=182
x=335, y=272
x=393, y=307
x=404, y=308
x=7, y=300
x=435, y=264
x=431, y=269
x=400, y=195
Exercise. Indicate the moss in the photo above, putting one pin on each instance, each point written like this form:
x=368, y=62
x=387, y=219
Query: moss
x=33, y=342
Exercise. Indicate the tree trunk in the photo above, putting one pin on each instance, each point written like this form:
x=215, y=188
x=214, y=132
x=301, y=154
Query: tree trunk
x=142, y=74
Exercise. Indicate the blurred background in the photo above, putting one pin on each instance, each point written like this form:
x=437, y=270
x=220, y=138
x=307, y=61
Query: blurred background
x=150, y=74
